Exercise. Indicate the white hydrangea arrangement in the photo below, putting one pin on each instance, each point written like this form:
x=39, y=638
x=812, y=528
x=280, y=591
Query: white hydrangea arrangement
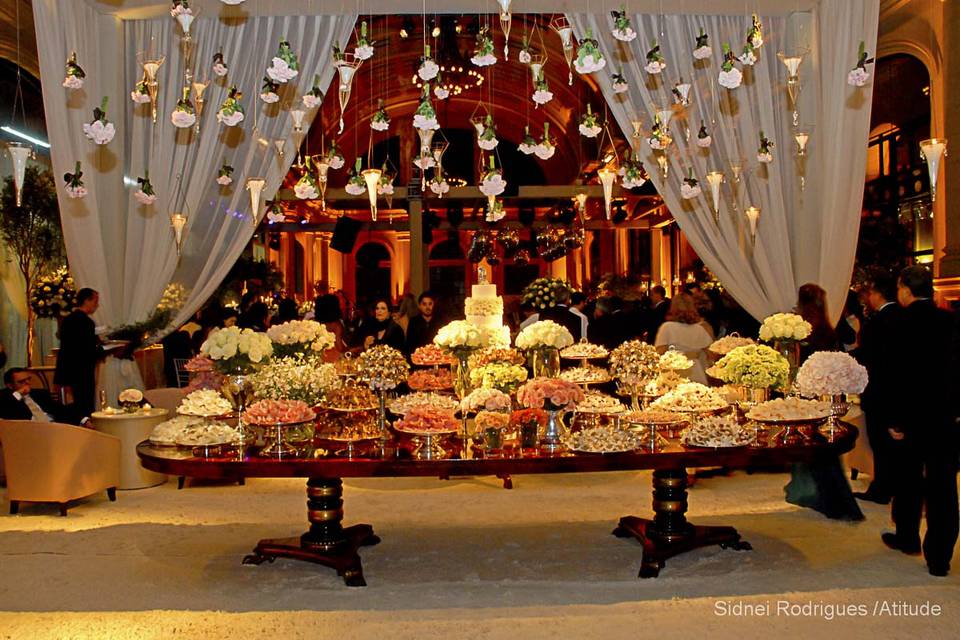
x=300, y=338
x=784, y=326
x=544, y=334
x=831, y=373
x=674, y=360
x=233, y=349
x=754, y=366
x=292, y=379
x=458, y=336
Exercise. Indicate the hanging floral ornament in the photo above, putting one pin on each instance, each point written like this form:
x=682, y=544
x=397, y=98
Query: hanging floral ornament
x=74, y=185
x=492, y=182
x=755, y=33
x=306, y=187
x=765, y=153
x=730, y=77
x=859, y=75
x=690, y=188
x=183, y=14
x=655, y=62
x=702, y=49
x=681, y=93
x=704, y=140
x=541, y=90
x=232, y=2
x=529, y=144
x=385, y=188
x=313, y=98
x=660, y=134
x=364, y=48
x=483, y=54
x=323, y=170
x=633, y=175
x=525, y=55
x=269, y=91
x=219, y=66
x=749, y=56
x=284, y=66
x=380, y=120
x=140, y=93
x=424, y=161
x=440, y=91
x=231, y=111
x=495, y=212
x=428, y=68
x=619, y=83
x=356, y=185
x=145, y=194
x=488, y=139
x=346, y=65
x=438, y=184
x=100, y=130
x=547, y=146
x=225, y=175
x=505, y=20
x=275, y=212
x=184, y=115
x=589, y=58
x=425, y=117
x=607, y=175
x=74, y=75
x=622, y=29
x=563, y=28
x=335, y=157
x=589, y=124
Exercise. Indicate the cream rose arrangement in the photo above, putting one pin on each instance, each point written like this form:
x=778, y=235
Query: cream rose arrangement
x=544, y=334
x=235, y=350
x=784, y=326
x=459, y=336
x=831, y=373
x=300, y=338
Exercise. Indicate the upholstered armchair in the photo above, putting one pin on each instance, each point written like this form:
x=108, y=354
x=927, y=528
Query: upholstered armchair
x=168, y=398
x=53, y=462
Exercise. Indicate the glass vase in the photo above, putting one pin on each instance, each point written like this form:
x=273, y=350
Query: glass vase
x=461, y=379
x=238, y=390
x=545, y=362
x=838, y=408
x=789, y=349
x=553, y=431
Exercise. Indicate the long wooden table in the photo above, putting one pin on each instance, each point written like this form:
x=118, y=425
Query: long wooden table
x=667, y=534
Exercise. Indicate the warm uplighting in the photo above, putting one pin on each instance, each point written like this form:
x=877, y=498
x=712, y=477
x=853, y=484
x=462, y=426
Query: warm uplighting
x=933, y=150
x=372, y=178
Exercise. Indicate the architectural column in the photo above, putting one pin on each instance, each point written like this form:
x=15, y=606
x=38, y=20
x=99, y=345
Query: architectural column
x=621, y=251
x=419, y=275
x=558, y=269
x=947, y=209
x=321, y=248
x=400, y=274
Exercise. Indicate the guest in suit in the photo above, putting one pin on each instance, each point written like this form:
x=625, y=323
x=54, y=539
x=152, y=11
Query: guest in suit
x=423, y=327
x=660, y=307
x=822, y=486
x=878, y=335
x=80, y=350
x=561, y=314
x=925, y=428
x=610, y=323
x=578, y=303
x=382, y=329
x=18, y=401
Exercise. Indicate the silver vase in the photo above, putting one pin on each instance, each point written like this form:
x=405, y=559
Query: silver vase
x=553, y=431
x=838, y=408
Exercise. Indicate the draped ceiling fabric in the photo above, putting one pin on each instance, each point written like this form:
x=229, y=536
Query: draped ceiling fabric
x=807, y=235
x=119, y=247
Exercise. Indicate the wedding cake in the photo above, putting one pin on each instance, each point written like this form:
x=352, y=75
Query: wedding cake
x=484, y=310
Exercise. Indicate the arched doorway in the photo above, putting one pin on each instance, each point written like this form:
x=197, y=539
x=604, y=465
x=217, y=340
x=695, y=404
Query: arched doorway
x=448, y=274
x=372, y=276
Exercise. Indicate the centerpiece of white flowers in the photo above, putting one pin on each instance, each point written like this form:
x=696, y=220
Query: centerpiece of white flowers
x=293, y=379
x=784, y=326
x=542, y=341
x=236, y=351
x=830, y=373
x=300, y=338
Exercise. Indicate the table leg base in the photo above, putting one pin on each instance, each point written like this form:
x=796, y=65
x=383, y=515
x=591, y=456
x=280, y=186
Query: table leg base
x=656, y=550
x=344, y=557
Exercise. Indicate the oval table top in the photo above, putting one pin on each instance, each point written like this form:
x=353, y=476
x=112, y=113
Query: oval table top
x=804, y=445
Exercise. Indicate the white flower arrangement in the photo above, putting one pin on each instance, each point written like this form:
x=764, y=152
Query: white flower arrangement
x=425, y=162
x=730, y=77
x=306, y=188
x=130, y=396
x=748, y=58
x=231, y=111
x=498, y=375
x=232, y=347
x=542, y=94
x=145, y=194
x=100, y=130
x=74, y=75
x=589, y=58
x=441, y=93
x=619, y=83
x=380, y=120
x=220, y=68
x=673, y=360
x=831, y=373
x=439, y=185
x=425, y=117
x=73, y=184
x=487, y=139
x=335, y=159
x=546, y=147
x=184, y=115
x=291, y=379
x=632, y=175
x=313, y=98
x=496, y=212
x=764, y=153
x=364, y=47
x=524, y=56
x=269, y=91
x=589, y=125
x=859, y=76
x=755, y=33
x=492, y=183
x=690, y=188
x=660, y=135
x=483, y=55
x=486, y=399
x=622, y=29
x=655, y=62
x=205, y=403
x=275, y=216
x=385, y=186
x=225, y=175
x=704, y=139
x=428, y=69
x=529, y=145
x=702, y=49
x=784, y=326
x=458, y=335
x=354, y=187
x=140, y=94
x=544, y=334
x=284, y=66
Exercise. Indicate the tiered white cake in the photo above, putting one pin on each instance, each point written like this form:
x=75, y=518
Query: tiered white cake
x=484, y=310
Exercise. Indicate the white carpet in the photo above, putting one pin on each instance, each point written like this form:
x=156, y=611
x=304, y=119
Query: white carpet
x=459, y=559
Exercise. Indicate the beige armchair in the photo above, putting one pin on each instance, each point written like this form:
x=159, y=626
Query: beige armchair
x=53, y=462
x=168, y=398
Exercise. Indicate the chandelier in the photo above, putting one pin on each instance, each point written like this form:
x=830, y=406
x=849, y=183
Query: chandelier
x=454, y=78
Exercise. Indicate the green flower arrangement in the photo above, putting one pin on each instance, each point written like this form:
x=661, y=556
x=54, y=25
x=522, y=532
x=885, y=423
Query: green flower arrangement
x=498, y=375
x=546, y=293
x=754, y=366
x=52, y=296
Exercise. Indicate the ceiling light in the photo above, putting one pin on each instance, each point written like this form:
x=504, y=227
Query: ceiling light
x=24, y=136
x=436, y=31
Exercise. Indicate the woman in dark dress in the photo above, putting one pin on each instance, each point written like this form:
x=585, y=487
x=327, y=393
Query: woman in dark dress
x=822, y=486
x=381, y=329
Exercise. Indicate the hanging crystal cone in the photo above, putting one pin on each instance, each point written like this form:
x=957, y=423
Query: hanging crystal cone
x=537, y=60
x=426, y=151
x=607, y=176
x=150, y=68
x=255, y=187
x=19, y=153
x=581, y=199
x=715, y=179
x=505, y=19
x=666, y=115
x=933, y=150
x=178, y=221
x=562, y=26
x=664, y=165
x=372, y=178
x=801, y=138
x=185, y=20
x=278, y=145
x=753, y=217
x=323, y=168
x=346, y=68
x=198, y=89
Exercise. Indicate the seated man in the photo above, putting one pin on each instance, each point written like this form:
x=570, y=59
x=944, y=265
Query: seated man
x=19, y=402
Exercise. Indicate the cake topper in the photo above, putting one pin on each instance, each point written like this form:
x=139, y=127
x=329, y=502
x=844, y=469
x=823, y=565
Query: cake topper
x=482, y=275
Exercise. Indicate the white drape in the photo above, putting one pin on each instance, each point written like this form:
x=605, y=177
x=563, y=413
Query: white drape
x=805, y=235
x=117, y=246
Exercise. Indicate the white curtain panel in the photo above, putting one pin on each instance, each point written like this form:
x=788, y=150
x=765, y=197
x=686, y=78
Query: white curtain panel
x=116, y=245
x=807, y=235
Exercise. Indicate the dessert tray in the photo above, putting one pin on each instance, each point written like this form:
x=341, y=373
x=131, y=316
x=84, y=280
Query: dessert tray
x=718, y=432
x=789, y=411
x=350, y=398
x=726, y=344
x=430, y=356
x=603, y=440
x=166, y=433
x=209, y=434
x=430, y=380
x=596, y=402
x=404, y=404
x=205, y=403
x=585, y=375
x=584, y=351
x=691, y=397
x=655, y=417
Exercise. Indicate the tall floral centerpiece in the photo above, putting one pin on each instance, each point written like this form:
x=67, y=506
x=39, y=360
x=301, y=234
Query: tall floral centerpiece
x=554, y=396
x=634, y=364
x=542, y=342
x=546, y=293
x=460, y=339
x=300, y=339
x=382, y=368
x=831, y=375
x=293, y=379
x=785, y=331
x=235, y=353
x=758, y=369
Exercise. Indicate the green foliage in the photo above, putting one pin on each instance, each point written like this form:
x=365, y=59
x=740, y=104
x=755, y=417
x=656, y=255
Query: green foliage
x=32, y=231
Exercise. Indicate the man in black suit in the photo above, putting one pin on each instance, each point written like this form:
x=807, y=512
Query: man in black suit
x=80, y=350
x=924, y=426
x=610, y=324
x=423, y=327
x=877, y=337
x=561, y=314
x=658, y=312
x=18, y=401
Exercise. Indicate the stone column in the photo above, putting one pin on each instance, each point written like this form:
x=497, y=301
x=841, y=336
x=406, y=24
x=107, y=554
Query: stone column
x=947, y=211
x=419, y=276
